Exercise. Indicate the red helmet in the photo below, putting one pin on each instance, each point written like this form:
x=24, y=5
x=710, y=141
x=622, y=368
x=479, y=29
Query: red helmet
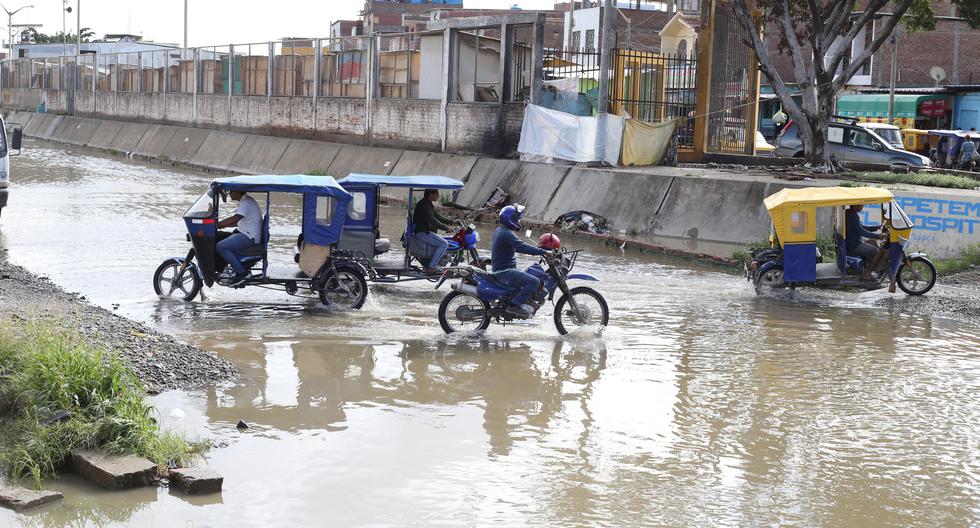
x=549, y=241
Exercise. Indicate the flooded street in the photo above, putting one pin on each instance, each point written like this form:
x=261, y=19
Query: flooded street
x=700, y=405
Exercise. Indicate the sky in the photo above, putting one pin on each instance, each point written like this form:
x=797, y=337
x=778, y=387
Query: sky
x=210, y=22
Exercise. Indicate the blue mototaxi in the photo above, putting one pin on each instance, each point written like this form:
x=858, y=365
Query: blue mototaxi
x=361, y=232
x=325, y=210
x=946, y=144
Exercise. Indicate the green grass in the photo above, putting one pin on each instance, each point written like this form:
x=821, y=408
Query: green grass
x=968, y=258
x=43, y=371
x=930, y=179
x=317, y=172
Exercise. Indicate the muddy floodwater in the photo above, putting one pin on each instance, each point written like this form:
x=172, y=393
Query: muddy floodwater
x=701, y=404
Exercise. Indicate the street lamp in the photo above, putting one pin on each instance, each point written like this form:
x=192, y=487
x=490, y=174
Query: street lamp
x=64, y=27
x=10, y=33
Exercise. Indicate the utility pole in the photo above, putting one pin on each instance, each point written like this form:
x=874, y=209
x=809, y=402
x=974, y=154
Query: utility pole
x=78, y=36
x=891, y=89
x=571, y=27
x=185, y=24
x=10, y=29
x=604, y=50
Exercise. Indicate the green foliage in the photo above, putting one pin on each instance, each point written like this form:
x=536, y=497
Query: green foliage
x=45, y=372
x=824, y=243
x=317, y=172
x=59, y=37
x=969, y=257
x=930, y=179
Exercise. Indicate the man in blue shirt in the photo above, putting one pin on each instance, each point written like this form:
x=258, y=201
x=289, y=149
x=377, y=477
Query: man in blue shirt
x=967, y=152
x=504, y=249
x=855, y=233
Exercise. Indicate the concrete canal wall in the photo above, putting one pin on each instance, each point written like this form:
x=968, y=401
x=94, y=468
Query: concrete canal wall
x=699, y=206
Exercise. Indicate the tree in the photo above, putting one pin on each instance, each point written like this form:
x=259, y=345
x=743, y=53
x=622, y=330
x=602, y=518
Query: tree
x=59, y=37
x=817, y=34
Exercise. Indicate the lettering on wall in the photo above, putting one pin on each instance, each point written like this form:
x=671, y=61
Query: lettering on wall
x=936, y=215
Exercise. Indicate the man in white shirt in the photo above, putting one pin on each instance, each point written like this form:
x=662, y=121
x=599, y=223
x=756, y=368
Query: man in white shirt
x=248, y=221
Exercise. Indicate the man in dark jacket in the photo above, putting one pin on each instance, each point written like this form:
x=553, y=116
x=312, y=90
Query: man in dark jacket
x=503, y=256
x=854, y=242
x=427, y=225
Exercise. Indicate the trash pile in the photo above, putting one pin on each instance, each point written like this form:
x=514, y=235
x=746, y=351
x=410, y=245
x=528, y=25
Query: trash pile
x=583, y=221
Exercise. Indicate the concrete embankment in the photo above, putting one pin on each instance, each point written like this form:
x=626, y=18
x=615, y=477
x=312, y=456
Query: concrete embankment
x=702, y=207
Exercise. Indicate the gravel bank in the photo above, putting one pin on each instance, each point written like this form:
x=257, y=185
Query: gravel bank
x=160, y=361
x=954, y=297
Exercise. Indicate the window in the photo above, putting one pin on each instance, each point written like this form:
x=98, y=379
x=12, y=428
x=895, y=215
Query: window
x=324, y=210
x=894, y=214
x=358, y=206
x=576, y=40
x=682, y=50
x=835, y=135
x=589, y=40
x=860, y=138
x=203, y=207
x=797, y=221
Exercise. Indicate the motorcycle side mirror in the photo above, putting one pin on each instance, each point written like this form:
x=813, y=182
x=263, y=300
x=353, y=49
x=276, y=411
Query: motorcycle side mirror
x=15, y=142
x=224, y=195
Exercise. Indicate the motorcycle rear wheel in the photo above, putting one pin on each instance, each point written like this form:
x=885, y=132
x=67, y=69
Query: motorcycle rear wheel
x=589, y=302
x=190, y=283
x=451, y=313
x=345, y=287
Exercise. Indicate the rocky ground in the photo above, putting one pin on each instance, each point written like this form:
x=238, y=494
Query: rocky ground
x=160, y=361
x=955, y=297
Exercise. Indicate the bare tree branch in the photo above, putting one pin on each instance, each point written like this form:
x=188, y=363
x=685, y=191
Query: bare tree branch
x=799, y=65
x=837, y=17
x=859, y=61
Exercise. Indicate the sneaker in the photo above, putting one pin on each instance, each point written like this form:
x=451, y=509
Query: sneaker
x=239, y=280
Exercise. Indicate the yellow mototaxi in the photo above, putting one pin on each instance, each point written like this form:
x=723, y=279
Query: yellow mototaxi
x=916, y=140
x=793, y=259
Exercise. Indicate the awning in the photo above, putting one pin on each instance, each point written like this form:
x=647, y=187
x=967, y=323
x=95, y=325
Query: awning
x=876, y=105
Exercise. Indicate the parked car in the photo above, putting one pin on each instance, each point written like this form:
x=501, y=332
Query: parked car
x=890, y=133
x=850, y=142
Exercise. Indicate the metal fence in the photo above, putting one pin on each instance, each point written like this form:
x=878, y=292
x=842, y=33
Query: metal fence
x=655, y=87
x=730, y=73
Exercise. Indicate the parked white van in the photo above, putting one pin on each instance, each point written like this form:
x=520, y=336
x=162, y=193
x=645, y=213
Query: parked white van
x=8, y=148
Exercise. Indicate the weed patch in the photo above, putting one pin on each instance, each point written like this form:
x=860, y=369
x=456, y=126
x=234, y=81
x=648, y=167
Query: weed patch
x=45, y=372
x=968, y=258
x=930, y=179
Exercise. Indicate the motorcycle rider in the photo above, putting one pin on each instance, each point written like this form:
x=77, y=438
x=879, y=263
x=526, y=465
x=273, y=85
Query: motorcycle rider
x=504, y=260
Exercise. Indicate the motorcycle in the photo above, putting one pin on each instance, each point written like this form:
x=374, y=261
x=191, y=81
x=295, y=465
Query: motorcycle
x=478, y=298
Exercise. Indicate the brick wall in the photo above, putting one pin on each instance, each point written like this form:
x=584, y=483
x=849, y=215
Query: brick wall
x=399, y=122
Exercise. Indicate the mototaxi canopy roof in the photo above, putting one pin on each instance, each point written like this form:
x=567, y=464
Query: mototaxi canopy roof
x=827, y=197
x=325, y=202
x=294, y=183
x=414, y=182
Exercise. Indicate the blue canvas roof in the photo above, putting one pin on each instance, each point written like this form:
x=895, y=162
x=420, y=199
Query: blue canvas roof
x=416, y=182
x=296, y=183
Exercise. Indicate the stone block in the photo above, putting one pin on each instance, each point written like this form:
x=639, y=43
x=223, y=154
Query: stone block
x=20, y=499
x=112, y=471
x=196, y=481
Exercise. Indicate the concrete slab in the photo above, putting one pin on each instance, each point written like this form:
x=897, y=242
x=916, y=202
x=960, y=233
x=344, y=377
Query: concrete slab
x=259, y=154
x=196, y=481
x=20, y=499
x=531, y=184
x=113, y=472
x=303, y=155
x=64, y=128
x=155, y=141
x=84, y=131
x=128, y=137
x=365, y=160
x=414, y=163
x=105, y=134
x=49, y=126
x=218, y=150
x=184, y=144
x=628, y=200
x=36, y=123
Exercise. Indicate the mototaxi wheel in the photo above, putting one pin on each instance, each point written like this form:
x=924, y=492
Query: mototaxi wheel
x=189, y=286
x=768, y=280
x=461, y=312
x=592, y=307
x=917, y=277
x=344, y=287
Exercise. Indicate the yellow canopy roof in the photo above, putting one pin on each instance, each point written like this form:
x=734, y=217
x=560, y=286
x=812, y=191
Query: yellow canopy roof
x=827, y=197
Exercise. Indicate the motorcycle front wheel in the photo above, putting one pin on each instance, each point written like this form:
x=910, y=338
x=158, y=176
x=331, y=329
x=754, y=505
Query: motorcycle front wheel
x=459, y=312
x=165, y=286
x=917, y=277
x=592, y=310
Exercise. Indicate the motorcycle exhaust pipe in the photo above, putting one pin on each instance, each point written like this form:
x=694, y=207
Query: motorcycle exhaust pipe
x=468, y=289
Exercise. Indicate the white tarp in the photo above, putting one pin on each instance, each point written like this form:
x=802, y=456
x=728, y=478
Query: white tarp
x=553, y=134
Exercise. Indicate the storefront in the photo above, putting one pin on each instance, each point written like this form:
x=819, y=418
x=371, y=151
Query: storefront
x=911, y=110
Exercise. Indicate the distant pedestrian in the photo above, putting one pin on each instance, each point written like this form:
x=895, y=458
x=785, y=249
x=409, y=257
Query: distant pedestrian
x=968, y=152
